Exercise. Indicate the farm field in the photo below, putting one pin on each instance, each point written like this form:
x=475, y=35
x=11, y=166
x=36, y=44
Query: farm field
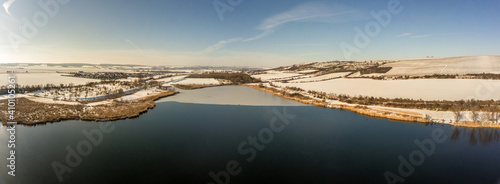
x=45, y=78
x=426, y=89
x=321, y=77
x=54, y=69
x=451, y=65
x=275, y=75
x=169, y=79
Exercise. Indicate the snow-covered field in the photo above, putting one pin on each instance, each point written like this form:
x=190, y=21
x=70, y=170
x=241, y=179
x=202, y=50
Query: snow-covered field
x=201, y=81
x=128, y=79
x=84, y=92
x=51, y=101
x=307, y=71
x=358, y=74
x=321, y=77
x=139, y=94
x=426, y=89
x=452, y=65
x=54, y=69
x=275, y=75
x=181, y=71
x=168, y=79
x=44, y=78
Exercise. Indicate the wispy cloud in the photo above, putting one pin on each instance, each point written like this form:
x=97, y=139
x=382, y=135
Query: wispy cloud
x=307, y=44
x=133, y=44
x=218, y=45
x=439, y=34
x=7, y=5
x=306, y=12
x=403, y=35
x=259, y=36
x=423, y=36
x=310, y=12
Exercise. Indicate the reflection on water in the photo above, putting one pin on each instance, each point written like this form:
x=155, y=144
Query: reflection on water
x=230, y=95
x=476, y=135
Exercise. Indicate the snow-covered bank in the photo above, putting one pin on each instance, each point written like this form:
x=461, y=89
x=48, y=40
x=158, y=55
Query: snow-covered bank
x=139, y=94
x=465, y=118
x=425, y=89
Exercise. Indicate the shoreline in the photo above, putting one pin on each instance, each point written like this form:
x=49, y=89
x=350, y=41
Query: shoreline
x=38, y=112
x=195, y=86
x=34, y=113
x=398, y=114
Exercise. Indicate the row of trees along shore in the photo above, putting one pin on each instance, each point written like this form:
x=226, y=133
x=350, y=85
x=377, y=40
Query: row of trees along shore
x=479, y=110
x=235, y=78
x=490, y=76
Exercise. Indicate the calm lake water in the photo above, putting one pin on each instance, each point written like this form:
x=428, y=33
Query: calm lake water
x=181, y=141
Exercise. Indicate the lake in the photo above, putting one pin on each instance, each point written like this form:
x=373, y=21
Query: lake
x=235, y=134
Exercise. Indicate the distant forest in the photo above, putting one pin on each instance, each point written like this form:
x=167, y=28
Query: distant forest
x=235, y=78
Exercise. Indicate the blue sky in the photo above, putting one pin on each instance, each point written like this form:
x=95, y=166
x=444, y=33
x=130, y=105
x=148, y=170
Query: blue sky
x=254, y=33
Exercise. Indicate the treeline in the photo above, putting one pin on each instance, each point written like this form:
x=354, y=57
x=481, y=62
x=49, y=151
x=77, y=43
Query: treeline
x=109, y=75
x=375, y=69
x=294, y=88
x=440, y=76
x=437, y=105
x=466, y=76
x=193, y=86
x=309, y=81
x=235, y=78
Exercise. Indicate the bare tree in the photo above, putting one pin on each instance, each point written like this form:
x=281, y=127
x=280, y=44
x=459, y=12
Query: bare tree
x=495, y=114
x=457, y=112
x=284, y=92
x=487, y=115
x=474, y=112
x=427, y=117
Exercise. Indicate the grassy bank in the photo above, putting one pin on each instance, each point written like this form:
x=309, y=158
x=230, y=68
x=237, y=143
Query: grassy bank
x=30, y=112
